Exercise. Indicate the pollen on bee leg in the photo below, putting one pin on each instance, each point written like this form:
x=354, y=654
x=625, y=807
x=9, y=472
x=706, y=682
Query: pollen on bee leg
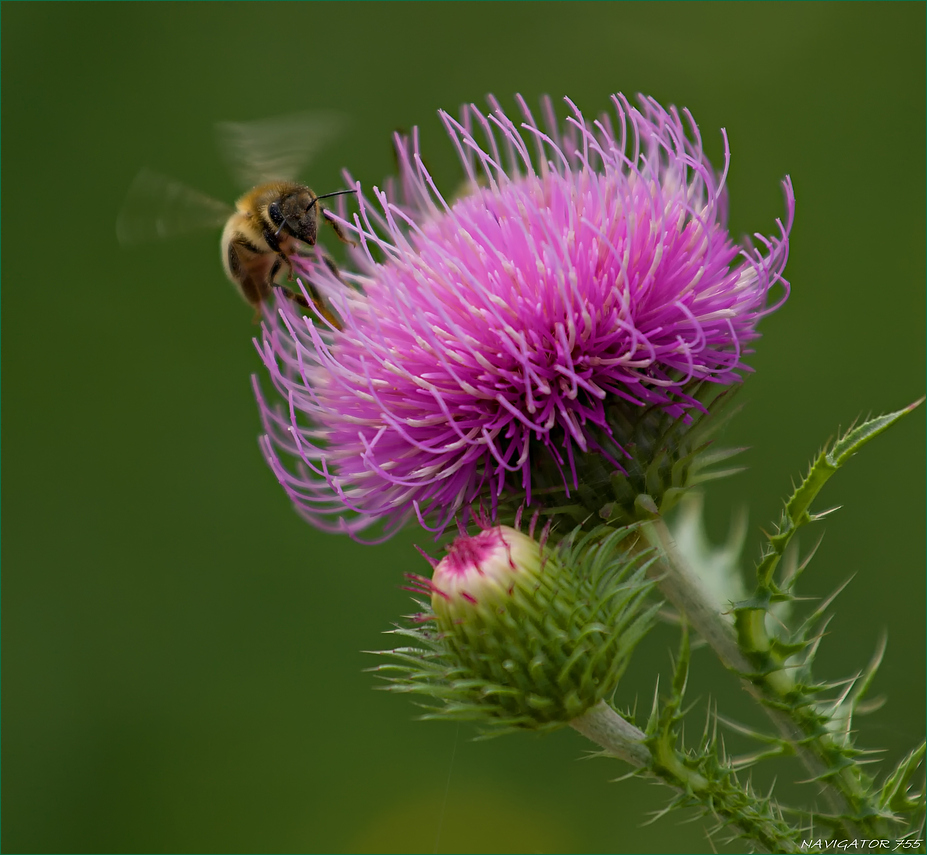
x=299, y=299
x=329, y=262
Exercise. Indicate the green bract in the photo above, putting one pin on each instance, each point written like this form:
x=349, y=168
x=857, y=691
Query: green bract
x=523, y=636
x=659, y=455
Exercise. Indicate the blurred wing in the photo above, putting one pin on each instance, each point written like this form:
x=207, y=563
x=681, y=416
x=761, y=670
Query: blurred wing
x=160, y=207
x=276, y=149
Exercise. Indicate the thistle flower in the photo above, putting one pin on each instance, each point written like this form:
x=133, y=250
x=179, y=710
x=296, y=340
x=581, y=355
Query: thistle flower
x=523, y=635
x=556, y=326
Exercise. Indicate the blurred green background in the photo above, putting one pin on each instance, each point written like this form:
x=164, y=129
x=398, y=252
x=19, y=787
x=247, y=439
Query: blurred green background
x=181, y=665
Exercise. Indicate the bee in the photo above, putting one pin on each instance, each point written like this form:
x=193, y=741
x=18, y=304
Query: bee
x=266, y=230
x=270, y=224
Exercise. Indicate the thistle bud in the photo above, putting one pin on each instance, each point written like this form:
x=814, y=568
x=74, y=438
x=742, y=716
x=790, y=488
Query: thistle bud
x=481, y=573
x=523, y=635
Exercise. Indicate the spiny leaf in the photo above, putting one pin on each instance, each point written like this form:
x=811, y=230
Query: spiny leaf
x=895, y=793
x=856, y=437
x=827, y=462
x=783, y=664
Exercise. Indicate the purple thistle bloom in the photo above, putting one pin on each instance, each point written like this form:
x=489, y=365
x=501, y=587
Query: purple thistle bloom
x=582, y=267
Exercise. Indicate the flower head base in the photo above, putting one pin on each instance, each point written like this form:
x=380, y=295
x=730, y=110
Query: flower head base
x=496, y=345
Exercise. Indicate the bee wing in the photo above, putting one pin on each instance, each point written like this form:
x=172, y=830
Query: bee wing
x=278, y=148
x=159, y=207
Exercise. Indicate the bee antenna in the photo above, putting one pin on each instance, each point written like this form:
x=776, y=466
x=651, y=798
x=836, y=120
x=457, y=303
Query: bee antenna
x=336, y=193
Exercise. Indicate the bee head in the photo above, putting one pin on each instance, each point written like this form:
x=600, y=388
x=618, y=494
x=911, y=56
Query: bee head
x=295, y=213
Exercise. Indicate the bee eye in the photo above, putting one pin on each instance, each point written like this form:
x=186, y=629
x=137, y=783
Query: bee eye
x=275, y=214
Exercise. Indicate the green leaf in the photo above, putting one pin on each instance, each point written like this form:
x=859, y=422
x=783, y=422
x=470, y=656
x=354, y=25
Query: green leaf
x=783, y=663
x=896, y=794
x=855, y=438
x=825, y=464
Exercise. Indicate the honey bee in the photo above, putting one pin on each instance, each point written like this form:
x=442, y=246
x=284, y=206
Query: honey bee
x=266, y=229
x=269, y=224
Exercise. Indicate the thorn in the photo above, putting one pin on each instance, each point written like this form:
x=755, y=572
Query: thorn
x=837, y=592
x=816, y=517
x=750, y=732
x=838, y=702
x=777, y=620
x=634, y=773
x=771, y=788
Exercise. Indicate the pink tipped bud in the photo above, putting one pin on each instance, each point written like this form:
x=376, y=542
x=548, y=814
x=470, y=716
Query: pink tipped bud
x=526, y=635
x=481, y=572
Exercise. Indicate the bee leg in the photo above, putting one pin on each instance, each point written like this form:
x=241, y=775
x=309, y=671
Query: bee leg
x=333, y=268
x=315, y=302
x=338, y=230
x=285, y=260
x=299, y=299
x=289, y=293
x=270, y=238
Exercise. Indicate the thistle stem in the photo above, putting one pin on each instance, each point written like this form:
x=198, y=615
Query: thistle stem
x=603, y=726
x=682, y=587
x=738, y=808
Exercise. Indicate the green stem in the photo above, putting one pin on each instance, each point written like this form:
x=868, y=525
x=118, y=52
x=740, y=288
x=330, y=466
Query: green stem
x=778, y=685
x=749, y=656
x=722, y=797
x=618, y=737
x=682, y=587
